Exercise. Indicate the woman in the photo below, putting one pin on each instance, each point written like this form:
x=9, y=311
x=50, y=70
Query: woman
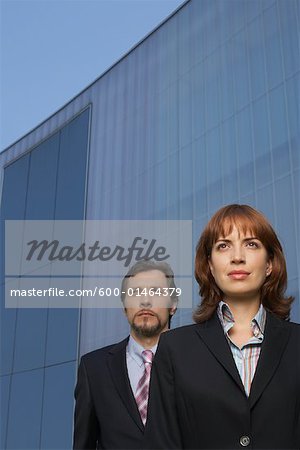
x=232, y=380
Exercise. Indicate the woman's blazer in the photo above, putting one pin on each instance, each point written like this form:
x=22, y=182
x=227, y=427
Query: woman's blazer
x=197, y=399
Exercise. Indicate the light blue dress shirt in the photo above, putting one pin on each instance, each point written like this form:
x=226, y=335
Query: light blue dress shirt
x=135, y=362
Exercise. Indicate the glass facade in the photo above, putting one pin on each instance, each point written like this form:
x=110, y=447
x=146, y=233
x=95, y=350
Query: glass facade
x=202, y=113
x=39, y=346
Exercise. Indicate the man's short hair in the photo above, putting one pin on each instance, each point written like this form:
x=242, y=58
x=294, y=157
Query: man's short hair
x=145, y=266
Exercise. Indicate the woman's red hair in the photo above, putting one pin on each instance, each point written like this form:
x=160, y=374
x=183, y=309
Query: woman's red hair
x=246, y=219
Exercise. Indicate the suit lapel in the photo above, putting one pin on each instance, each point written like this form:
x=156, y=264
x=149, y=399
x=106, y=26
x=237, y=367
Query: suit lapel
x=212, y=333
x=275, y=341
x=118, y=369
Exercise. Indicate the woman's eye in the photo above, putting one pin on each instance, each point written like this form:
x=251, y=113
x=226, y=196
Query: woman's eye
x=221, y=246
x=252, y=244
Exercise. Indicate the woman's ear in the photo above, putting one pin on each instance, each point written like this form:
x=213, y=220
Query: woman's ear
x=211, y=266
x=269, y=268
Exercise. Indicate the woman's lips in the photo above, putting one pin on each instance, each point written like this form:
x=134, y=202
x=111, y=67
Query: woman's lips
x=238, y=274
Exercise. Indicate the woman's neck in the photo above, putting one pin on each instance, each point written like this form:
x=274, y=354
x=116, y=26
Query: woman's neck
x=243, y=311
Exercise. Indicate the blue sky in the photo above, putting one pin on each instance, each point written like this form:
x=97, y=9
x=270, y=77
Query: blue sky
x=52, y=49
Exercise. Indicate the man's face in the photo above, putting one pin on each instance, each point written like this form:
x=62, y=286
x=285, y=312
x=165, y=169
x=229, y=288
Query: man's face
x=147, y=306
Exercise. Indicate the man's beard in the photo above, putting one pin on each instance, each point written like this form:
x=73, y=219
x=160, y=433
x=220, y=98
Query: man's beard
x=146, y=330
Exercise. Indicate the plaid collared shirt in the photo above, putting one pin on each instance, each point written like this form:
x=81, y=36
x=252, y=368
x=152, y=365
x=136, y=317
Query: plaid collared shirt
x=247, y=356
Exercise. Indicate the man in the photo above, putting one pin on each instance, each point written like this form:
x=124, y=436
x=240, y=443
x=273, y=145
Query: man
x=113, y=382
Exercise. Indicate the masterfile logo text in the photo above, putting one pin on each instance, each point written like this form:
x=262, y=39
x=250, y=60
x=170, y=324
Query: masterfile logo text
x=67, y=260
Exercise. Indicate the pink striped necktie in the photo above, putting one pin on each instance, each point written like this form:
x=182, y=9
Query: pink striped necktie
x=142, y=390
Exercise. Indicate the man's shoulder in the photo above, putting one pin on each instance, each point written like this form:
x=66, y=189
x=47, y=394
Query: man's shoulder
x=101, y=353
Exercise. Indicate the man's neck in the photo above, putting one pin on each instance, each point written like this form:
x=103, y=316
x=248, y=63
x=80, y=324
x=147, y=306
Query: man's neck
x=146, y=342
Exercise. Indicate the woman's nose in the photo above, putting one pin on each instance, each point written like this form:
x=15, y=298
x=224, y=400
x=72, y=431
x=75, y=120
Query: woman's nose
x=238, y=254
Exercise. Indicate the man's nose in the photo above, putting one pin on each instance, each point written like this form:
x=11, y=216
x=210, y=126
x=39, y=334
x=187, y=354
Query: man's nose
x=146, y=301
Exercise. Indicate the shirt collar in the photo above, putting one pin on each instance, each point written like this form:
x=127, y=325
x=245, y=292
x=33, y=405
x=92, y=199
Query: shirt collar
x=134, y=349
x=260, y=319
x=227, y=320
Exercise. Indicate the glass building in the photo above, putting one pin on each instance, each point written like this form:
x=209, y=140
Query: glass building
x=203, y=112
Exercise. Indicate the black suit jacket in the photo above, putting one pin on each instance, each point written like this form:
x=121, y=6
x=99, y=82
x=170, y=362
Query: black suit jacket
x=106, y=414
x=197, y=399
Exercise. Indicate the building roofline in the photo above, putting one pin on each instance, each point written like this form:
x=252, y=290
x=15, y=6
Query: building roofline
x=100, y=76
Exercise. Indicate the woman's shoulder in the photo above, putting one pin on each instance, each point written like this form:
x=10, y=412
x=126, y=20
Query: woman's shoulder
x=180, y=332
x=294, y=332
x=183, y=334
x=294, y=326
x=277, y=321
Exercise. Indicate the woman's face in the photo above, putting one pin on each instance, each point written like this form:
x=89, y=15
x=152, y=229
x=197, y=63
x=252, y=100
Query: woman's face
x=239, y=264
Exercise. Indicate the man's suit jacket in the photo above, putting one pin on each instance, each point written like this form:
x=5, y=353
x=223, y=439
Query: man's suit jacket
x=106, y=414
x=197, y=399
